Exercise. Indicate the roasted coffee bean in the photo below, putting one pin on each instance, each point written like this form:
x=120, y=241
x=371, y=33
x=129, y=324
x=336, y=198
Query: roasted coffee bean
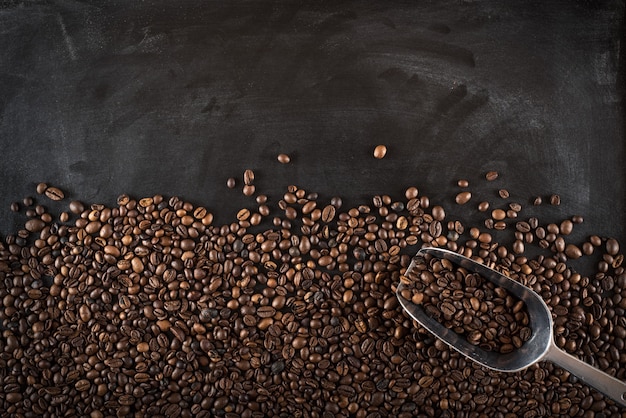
x=555, y=200
x=41, y=188
x=54, y=193
x=380, y=151
x=283, y=158
x=266, y=311
x=328, y=213
x=249, y=189
x=248, y=177
x=483, y=206
x=491, y=175
x=463, y=197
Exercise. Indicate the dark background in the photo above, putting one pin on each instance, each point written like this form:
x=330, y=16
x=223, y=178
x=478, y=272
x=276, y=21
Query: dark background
x=104, y=98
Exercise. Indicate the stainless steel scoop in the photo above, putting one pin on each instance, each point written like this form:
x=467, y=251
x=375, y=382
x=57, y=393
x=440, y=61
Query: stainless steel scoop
x=539, y=347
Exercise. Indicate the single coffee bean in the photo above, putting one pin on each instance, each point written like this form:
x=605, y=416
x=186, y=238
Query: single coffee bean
x=82, y=385
x=249, y=189
x=41, y=188
x=483, y=206
x=503, y=193
x=266, y=311
x=380, y=151
x=555, y=200
x=54, y=193
x=248, y=177
x=34, y=225
x=491, y=175
x=283, y=158
x=463, y=197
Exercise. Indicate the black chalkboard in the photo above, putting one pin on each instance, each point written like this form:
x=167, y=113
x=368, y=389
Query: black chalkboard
x=104, y=98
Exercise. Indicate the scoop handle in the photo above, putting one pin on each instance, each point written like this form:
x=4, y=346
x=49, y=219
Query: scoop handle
x=607, y=384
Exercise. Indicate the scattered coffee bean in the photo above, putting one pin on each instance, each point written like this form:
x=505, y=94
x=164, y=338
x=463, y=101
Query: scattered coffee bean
x=54, y=193
x=248, y=177
x=463, y=197
x=41, y=188
x=380, y=151
x=283, y=158
x=491, y=175
x=248, y=189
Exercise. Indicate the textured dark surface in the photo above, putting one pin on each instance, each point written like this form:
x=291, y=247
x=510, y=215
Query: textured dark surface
x=175, y=97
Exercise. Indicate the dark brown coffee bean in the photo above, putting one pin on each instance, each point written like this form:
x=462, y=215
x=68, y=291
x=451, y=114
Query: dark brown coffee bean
x=283, y=158
x=82, y=385
x=555, y=200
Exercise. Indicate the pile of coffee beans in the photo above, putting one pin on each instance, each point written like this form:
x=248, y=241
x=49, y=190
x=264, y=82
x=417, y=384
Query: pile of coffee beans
x=465, y=302
x=145, y=307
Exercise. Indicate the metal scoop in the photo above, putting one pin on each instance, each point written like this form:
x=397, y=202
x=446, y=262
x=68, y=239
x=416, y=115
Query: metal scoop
x=539, y=347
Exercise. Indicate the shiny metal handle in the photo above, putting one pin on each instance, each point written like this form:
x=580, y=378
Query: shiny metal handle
x=607, y=384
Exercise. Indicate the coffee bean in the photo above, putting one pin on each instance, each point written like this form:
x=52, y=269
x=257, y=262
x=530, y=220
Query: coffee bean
x=82, y=385
x=266, y=311
x=380, y=151
x=248, y=177
x=54, y=193
x=34, y=225
x=283, y=158
x=231, y=183
x=483, y=206
x=41, y=188
x=555, y=200
x=491, y=175
x=249, y=189
x=463, y=197
x=503, y=193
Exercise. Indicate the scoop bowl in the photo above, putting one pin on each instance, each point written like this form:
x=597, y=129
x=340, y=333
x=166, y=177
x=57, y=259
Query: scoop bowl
x=540, y=346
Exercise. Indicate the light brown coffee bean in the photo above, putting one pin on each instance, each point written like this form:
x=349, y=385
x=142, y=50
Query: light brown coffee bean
x=380, y=151
x=491, y=175
x=54, y=193
x=248, y=177
x=463, y=197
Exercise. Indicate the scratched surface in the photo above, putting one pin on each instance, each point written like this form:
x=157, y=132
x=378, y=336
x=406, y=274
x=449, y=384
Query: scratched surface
x=175, y=97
